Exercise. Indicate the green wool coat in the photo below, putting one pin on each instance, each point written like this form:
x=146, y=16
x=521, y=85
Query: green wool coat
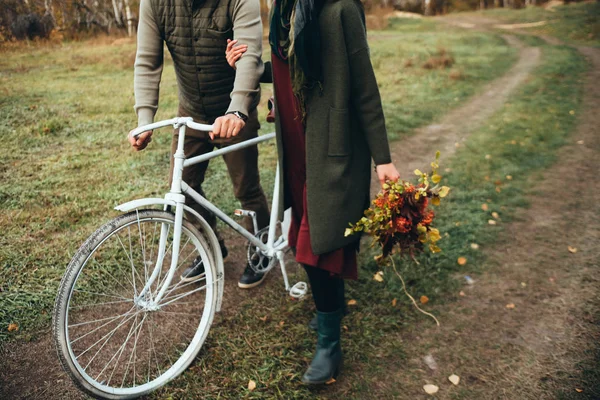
x=345, y=129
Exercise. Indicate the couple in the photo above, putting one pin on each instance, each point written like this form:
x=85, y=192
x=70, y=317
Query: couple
x=329, y=124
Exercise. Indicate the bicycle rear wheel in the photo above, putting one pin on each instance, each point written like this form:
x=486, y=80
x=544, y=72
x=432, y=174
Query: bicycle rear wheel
x=113, y=337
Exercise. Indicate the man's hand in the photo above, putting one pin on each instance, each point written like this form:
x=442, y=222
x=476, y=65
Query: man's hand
x=227, y=126
x=234, y=53
x=387, y=172
x=141, y=141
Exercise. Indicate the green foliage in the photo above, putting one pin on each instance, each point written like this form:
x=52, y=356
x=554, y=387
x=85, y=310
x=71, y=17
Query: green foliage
x=577, y=23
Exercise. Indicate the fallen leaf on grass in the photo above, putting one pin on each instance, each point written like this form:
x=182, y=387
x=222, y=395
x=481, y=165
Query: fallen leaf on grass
x=523, y=284
x=510, y=306
x=509, y=177
x=281, y=323
x=474, y=246
x=572, y=112
x=378, y=276
x=572, y=249
x=580, y=142
x=461, y=293
x=251, y=385
x=498, y=190
x=424, y=299
x=351, y=302
x=552, y=279
x=264, y=319
x=329, y=382
x=13, y=327
x=455, y=379
x=488, y=157
x=484, y=207
x=491, y=222
x=461, y=261
x=495, y=215
x=578, y=390
x=431, y=389
x=430, y=362
x=394, y=302
x=345, y=327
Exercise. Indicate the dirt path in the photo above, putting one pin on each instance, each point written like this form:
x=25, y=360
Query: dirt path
x=455, y=127
x=546, y=347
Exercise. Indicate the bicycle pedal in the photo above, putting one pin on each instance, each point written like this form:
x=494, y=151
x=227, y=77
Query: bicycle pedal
x=244, y=213
x=299, y=290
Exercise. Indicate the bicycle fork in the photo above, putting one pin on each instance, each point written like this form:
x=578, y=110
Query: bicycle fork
x=179, y=199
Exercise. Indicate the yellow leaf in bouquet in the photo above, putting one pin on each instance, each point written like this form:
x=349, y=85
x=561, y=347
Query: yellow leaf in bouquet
x=435, y=201
x=434, y=248
x=348, y=232
x=421, y=229
x=418, y=172
x=436, y=178
x=434, y=235
x=444, y=190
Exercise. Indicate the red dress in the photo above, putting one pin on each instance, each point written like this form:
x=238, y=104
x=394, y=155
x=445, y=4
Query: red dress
x=341, y=262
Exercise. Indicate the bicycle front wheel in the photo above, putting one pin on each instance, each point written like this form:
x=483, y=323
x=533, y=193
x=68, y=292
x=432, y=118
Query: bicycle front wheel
x=114, y=336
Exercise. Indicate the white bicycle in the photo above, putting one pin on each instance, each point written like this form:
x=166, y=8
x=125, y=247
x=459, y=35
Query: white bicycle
x=124, y=322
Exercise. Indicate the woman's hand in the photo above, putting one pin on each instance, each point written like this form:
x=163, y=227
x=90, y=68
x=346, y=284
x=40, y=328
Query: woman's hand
x=234, y=53
x=387, y=172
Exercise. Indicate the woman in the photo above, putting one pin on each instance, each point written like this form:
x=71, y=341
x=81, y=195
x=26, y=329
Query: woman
x=329, y=125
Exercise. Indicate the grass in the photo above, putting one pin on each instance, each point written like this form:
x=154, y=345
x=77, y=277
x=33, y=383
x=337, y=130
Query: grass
x=577, y=23
x=519, y=141
x=64, y=113
x=64, y=164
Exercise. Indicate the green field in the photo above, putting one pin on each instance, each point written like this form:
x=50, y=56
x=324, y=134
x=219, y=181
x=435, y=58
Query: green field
x=577, y=23
x=64, y=164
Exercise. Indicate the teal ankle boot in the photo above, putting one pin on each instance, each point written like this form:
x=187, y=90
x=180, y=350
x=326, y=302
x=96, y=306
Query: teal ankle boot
x=327, y=360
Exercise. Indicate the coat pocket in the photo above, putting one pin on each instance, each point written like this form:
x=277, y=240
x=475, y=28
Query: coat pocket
x=339, y=135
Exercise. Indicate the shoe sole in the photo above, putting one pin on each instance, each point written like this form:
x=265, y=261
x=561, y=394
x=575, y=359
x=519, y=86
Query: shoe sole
x=252, y=285
x=195, y=278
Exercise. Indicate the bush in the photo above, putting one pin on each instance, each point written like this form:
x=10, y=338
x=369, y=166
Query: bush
x=30, y=26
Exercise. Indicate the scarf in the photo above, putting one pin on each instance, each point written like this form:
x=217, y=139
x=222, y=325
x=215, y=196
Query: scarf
x=295, y=38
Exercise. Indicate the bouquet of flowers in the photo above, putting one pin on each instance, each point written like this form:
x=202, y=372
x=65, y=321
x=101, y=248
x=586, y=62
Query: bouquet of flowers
x=400, y=217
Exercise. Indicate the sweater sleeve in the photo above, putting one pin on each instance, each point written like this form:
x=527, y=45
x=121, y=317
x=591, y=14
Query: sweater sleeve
x=365, y=96
x=247, y=29
x=148, y=65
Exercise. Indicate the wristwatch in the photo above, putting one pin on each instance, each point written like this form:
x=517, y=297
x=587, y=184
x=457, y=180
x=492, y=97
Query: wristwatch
x=238, y=114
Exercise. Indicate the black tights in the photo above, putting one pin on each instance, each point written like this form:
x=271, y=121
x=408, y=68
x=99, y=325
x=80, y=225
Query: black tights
x=327, y=290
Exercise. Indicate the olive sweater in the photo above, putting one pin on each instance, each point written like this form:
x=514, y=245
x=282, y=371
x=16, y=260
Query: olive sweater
x=195, y=33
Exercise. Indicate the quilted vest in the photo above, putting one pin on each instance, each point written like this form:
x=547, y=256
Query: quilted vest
x=196, y=34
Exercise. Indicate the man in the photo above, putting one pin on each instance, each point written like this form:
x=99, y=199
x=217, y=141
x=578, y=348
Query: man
x=196, y=33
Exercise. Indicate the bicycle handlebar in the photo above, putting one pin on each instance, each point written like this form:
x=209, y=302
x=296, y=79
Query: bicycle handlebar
x=176, y=122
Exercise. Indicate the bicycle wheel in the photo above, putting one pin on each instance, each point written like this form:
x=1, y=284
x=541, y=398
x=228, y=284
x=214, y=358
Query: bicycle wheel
x=113, y=337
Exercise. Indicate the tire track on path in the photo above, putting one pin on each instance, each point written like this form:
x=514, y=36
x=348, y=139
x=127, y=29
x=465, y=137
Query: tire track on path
x=418, y=150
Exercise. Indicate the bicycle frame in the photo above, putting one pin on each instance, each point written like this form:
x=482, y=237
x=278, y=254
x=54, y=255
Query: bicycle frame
x=274, y=247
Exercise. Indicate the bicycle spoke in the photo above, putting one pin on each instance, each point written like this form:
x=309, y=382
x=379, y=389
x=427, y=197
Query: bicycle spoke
x=100, y=327
x=185, y=295
x=120, y=350
x=102, y=294
x=107, y=337
x=101, y=304
x=132, y=267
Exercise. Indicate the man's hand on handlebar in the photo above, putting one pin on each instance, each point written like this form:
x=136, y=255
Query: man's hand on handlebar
x=141, y=141
x=227, y=126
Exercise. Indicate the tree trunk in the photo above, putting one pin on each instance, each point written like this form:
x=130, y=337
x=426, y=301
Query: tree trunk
x=117, y=13
x=129, y=18
x=482, y=4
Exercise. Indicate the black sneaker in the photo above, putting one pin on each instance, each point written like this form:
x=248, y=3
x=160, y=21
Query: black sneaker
x=250, y=278
x=196, y=269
